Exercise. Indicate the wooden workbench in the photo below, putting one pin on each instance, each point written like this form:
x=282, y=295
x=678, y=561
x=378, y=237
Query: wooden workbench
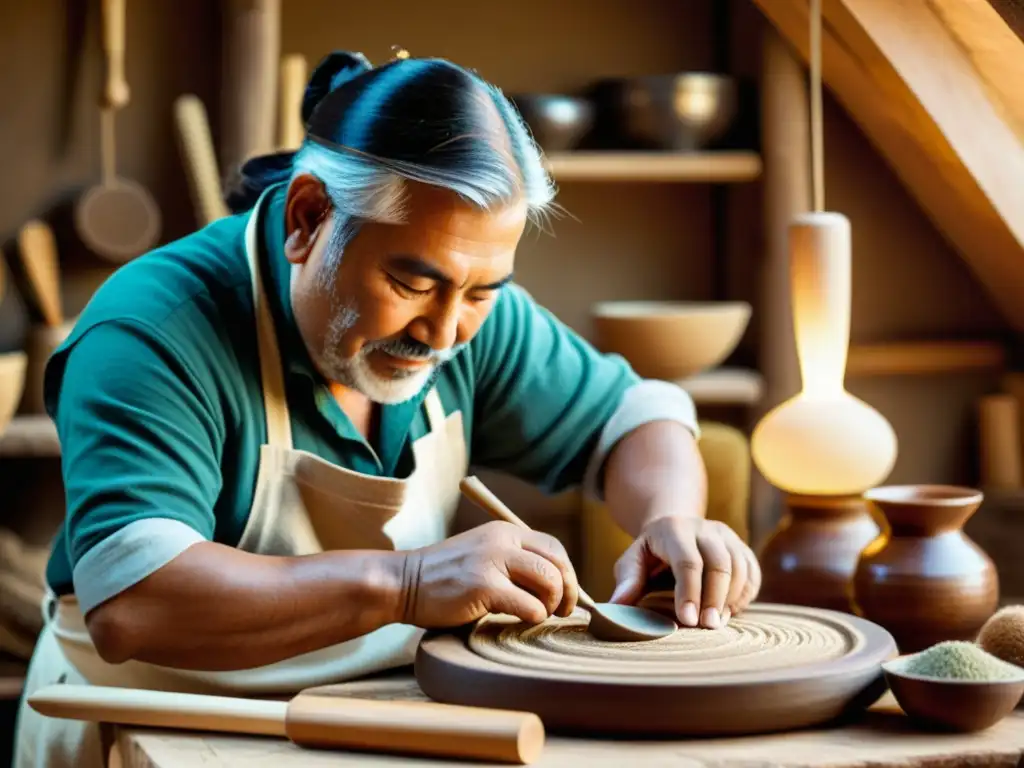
x=882, y=738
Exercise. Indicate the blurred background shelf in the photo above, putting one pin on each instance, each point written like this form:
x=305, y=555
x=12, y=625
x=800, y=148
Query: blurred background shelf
x=925, y=357
x=36, y=436
x=696, y=167
x=29, y=436
x=725, y=386
x=12, y=679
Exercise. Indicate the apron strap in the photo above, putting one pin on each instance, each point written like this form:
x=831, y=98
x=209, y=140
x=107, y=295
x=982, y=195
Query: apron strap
x=435, y=410
x=279, y=426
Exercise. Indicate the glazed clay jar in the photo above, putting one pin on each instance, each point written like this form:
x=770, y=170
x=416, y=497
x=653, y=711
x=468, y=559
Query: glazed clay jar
x=922, y=578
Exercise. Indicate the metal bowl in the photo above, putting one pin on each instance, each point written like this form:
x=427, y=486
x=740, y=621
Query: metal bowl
x=558, y=122
x=682, y=112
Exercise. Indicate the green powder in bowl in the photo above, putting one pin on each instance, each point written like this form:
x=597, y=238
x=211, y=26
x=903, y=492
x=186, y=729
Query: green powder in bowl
x=958, y=660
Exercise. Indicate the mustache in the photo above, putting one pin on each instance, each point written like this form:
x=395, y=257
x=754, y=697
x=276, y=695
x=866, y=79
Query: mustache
x=409, y=348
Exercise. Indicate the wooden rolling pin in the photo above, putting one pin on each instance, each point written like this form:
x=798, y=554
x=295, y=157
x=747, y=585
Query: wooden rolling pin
x=314, y=721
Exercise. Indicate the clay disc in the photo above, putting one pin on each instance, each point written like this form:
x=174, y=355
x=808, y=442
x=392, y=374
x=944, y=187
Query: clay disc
x=776, y=667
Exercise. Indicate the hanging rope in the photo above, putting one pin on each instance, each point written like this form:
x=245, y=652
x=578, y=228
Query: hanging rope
x=817, y=131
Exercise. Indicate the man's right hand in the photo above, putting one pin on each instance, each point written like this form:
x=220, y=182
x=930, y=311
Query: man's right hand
x=494, y=568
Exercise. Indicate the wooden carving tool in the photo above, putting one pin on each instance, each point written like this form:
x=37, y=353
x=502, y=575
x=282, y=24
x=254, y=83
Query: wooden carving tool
x=315, y=721
x=608, y=621
x=199, y=157
x=290, y=129
x=39, y=263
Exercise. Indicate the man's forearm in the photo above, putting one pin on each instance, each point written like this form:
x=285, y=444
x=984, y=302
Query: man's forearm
x=218, y=608
x=655, y=470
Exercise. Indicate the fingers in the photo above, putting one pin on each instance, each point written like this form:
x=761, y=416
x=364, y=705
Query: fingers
x=631, y=573
x=676, y=544
x=717, y=576
x=551, y=549
x=536, y=575
x=753, y=583
x=511, y=599
x=739, y=583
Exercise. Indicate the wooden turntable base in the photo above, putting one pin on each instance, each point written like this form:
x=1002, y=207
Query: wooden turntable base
x=775, y=667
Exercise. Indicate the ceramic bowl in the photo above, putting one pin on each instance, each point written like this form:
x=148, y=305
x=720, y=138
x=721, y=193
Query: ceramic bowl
x=952, y=705
x=684, y=111
x=12, y=384
x=557, y=122
x=670, y=340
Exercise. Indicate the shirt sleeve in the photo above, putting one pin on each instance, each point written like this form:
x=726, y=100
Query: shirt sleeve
x=140, y=445
x=549, y=407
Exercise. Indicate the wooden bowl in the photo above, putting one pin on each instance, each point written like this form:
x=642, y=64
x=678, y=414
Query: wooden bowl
x=952, y=705
x=670, y=340
x=12, y=384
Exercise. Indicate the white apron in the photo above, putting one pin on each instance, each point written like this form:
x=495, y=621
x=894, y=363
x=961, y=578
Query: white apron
x=302, y=505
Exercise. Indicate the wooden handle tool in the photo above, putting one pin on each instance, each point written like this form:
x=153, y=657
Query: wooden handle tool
x=615, y=623
x=314, y=721
x=115, y=84
x=290, y=129
x=484, y=498
x=41, y=267
x=195, y=143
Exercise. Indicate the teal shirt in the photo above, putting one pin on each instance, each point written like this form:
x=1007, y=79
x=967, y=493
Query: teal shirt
x=157, y=401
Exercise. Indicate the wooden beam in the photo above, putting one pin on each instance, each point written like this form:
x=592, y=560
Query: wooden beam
x=916, y=76
x=785, y=148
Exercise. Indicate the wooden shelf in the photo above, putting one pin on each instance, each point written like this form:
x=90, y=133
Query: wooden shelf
x=36, y=436
x=725, y=386
x=695, y=167
x=29, y=436
x=924, y=357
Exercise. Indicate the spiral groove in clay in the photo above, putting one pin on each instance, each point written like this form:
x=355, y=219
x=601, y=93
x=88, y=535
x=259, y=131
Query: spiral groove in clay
x=760, y=640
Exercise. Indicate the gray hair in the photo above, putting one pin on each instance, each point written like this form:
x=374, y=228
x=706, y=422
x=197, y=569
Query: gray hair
x=502, y=170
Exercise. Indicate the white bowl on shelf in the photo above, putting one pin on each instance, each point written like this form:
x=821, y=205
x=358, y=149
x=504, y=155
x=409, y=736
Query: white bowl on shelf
x=670, y=339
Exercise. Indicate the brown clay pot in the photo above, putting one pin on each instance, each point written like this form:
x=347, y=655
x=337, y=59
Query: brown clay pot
x=810, y=558
x=923, y=578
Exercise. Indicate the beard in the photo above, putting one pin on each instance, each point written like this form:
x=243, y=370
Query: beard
x=357, y=373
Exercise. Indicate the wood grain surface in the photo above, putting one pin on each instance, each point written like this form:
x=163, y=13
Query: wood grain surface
x=883, y=737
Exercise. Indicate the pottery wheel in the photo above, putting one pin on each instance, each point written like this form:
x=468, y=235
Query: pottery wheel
x=774, y=667
x=760, y=641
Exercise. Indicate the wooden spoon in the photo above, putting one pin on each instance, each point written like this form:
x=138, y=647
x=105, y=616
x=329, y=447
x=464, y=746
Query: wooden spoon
x=118, y=219
x=608, y=621
x=40, y=265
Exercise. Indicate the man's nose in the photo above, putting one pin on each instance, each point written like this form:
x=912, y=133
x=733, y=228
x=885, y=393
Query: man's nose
x=439, y=329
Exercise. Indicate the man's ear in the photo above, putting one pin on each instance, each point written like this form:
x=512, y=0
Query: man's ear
x=304, y=215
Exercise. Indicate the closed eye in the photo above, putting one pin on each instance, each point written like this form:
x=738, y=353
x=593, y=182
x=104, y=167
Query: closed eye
x=403, y=288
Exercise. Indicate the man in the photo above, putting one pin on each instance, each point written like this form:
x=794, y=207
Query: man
x=265, y=423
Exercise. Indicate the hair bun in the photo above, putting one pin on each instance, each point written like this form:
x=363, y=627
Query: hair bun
x=332, y=72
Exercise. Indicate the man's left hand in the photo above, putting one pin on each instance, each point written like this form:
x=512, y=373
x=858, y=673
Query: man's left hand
x=717, y=575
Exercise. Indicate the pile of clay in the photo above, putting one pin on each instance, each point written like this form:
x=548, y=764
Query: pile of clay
x=959, y=660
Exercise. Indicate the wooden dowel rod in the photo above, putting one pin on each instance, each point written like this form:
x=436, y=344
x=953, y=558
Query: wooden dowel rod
x=999, y=442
